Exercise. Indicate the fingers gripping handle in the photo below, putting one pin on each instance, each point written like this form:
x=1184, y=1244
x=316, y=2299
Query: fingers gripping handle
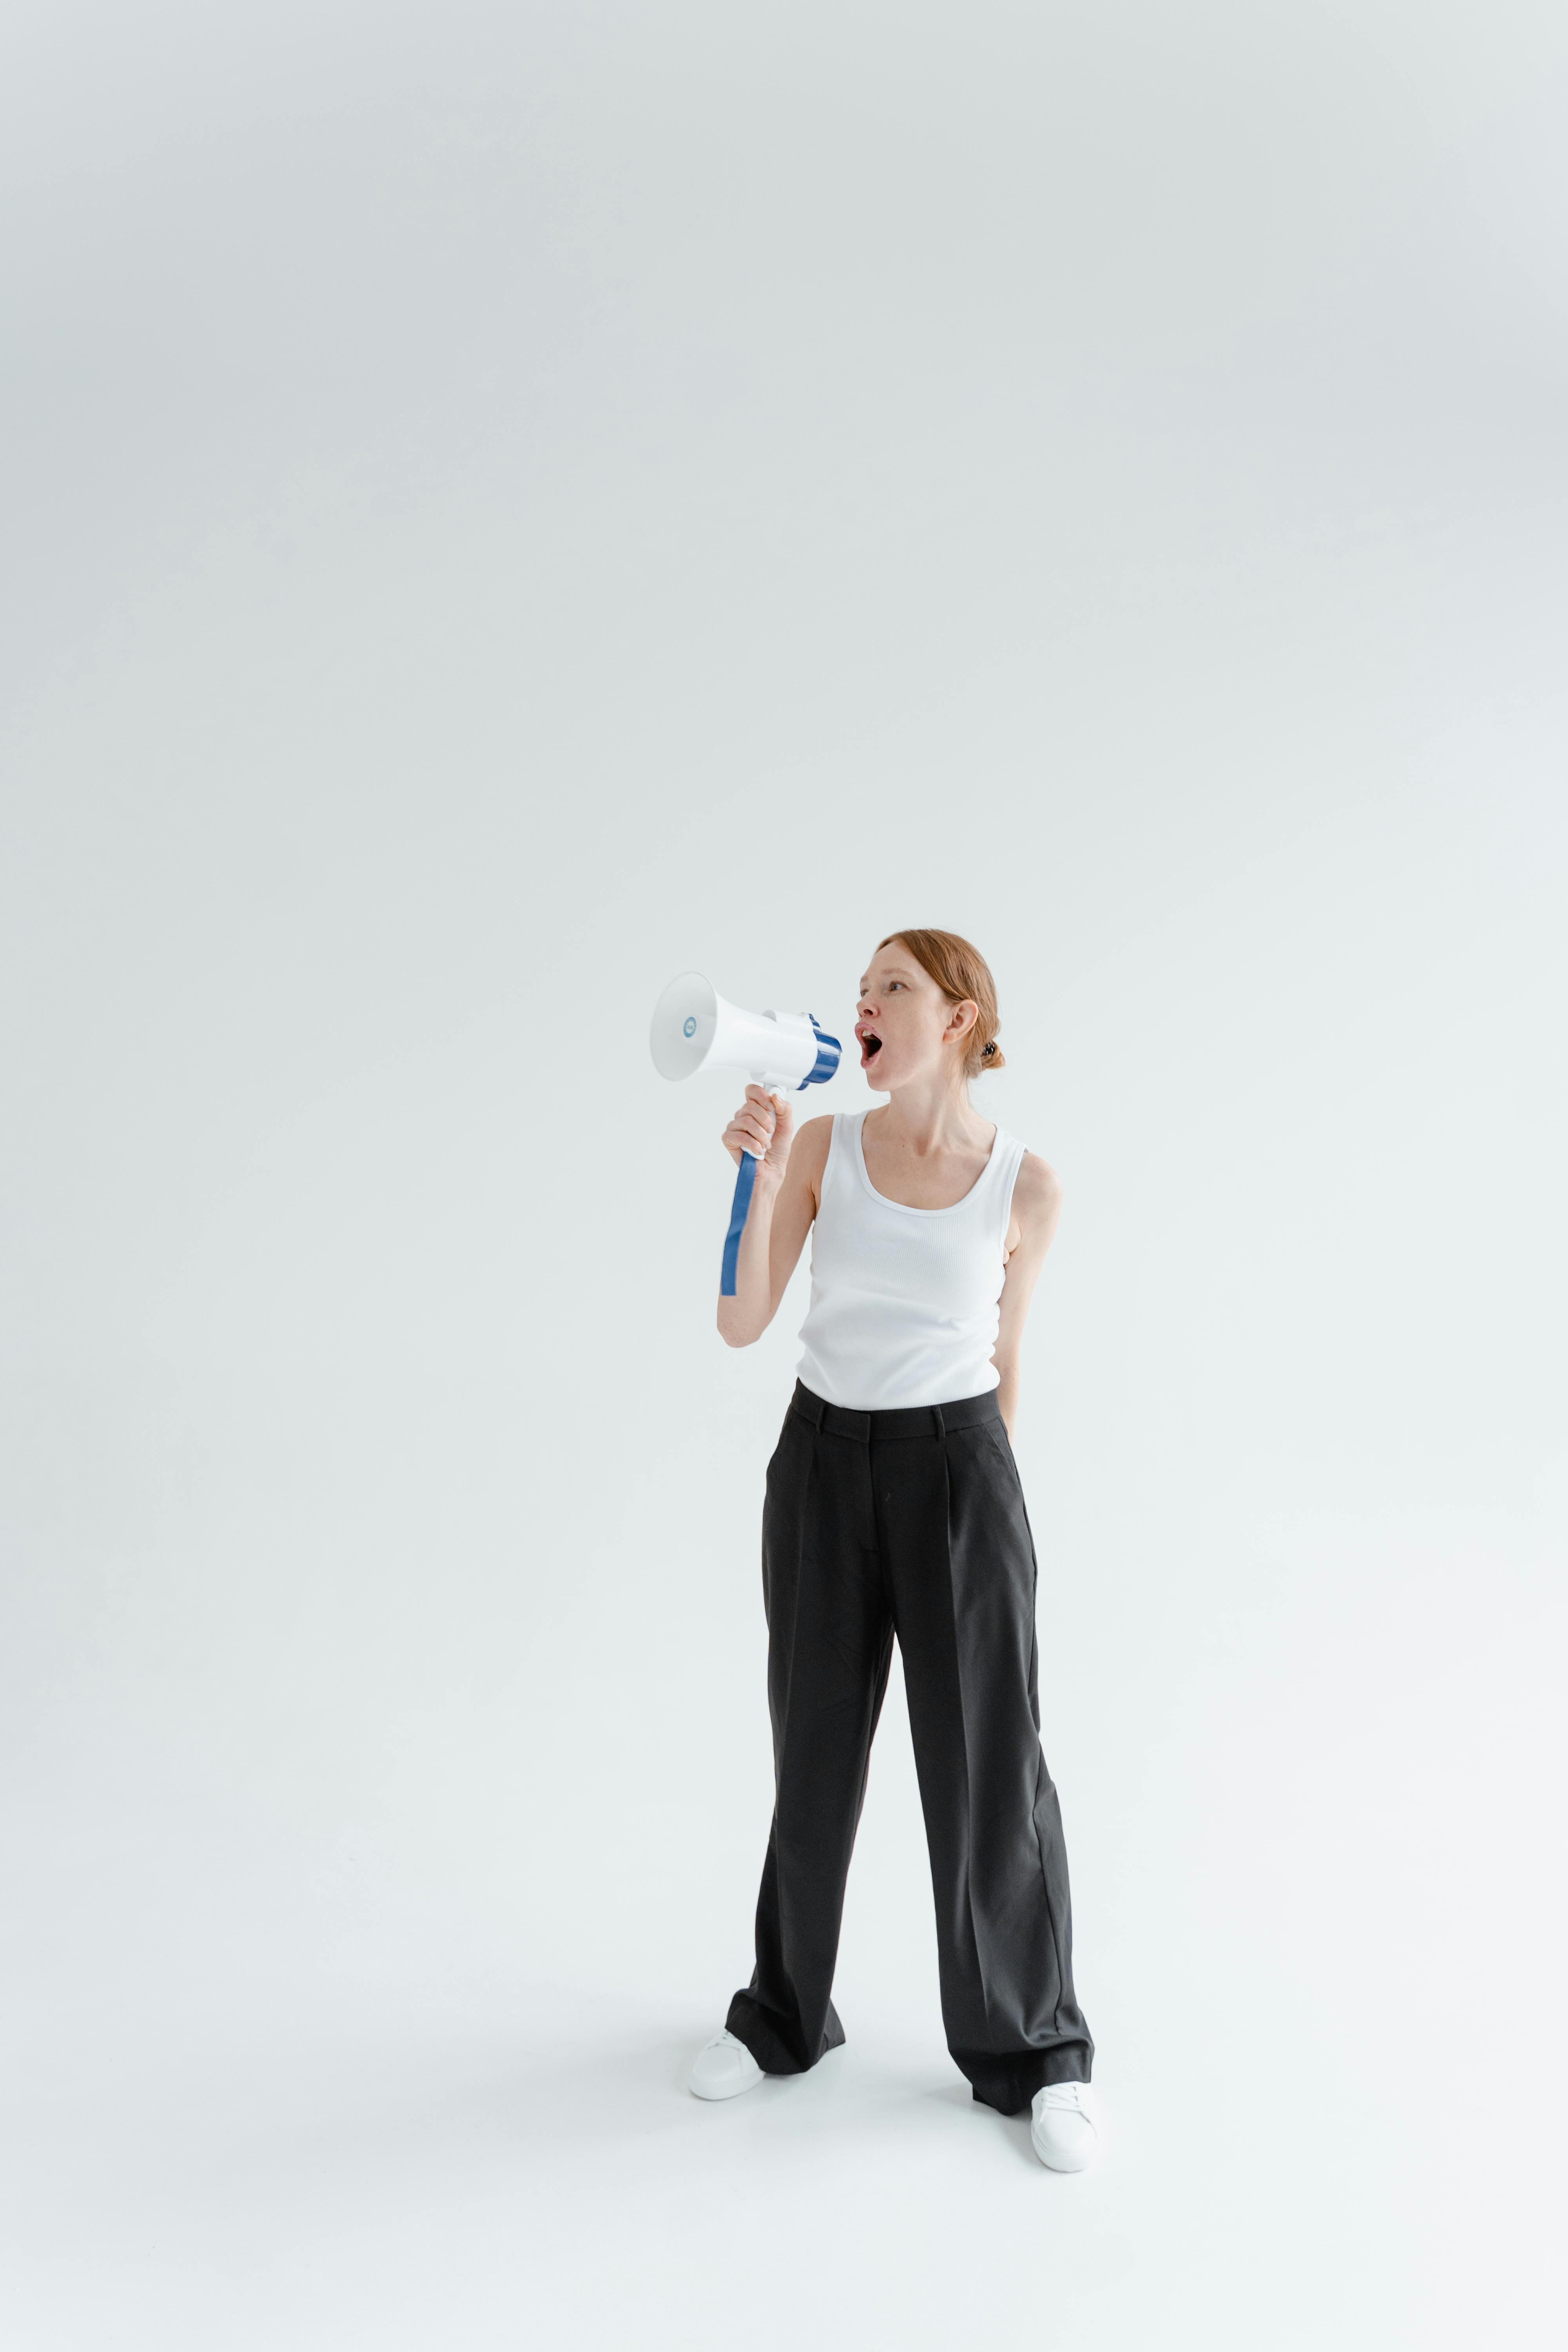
x=827, y=1051
x=745, y=1177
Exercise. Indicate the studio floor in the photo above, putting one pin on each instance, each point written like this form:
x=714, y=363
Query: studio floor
x=520, y=2166
x=421, y=2087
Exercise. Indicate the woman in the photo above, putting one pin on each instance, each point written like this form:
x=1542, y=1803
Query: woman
x=893, y=1505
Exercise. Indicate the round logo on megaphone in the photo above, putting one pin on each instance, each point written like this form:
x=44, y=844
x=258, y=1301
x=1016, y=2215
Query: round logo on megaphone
x=694, y=1029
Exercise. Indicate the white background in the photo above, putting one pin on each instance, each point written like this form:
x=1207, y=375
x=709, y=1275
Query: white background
x=505, y=503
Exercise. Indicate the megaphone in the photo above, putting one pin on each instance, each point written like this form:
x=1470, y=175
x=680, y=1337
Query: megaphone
x=694, y=1029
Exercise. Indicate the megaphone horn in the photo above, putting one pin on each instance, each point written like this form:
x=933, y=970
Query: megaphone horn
x=694, y=1029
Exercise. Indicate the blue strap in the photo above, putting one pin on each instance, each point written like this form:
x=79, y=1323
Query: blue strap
x=745, y=1177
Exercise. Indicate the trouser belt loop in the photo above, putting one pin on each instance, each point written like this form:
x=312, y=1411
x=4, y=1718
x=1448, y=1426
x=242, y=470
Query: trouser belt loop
x=940, y=1428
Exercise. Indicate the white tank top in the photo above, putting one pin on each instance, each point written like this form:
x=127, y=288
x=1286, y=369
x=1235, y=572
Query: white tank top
x=904, y=1302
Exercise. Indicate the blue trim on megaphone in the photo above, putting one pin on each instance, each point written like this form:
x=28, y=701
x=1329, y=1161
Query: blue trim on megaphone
x=827, y=1052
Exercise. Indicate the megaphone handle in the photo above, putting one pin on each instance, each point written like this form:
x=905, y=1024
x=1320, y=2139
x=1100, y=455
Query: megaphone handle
x=745, y=1177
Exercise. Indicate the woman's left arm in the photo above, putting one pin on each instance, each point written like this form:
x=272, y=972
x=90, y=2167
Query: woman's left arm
x=1036, y=1210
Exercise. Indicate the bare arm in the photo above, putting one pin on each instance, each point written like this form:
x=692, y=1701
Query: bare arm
x=785, y=1196
x=1036, y=1210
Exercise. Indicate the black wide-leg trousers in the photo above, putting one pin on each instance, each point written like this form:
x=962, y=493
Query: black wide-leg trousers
x=911, y=1523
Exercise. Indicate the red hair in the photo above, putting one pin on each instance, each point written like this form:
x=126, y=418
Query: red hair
x=961, y=971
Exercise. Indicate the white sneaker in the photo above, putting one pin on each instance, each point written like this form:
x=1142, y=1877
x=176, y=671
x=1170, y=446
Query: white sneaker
x=1062, y=2128
x=724, y=2068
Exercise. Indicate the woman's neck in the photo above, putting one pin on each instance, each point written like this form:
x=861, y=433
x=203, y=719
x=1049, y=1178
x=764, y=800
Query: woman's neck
x=928, y=1116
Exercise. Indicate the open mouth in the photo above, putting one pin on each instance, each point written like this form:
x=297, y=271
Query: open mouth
x=870, y=1047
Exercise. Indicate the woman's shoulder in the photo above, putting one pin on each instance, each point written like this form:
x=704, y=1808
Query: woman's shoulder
x=808, y=1156
x=812, y=1141
x=1037, y=1183
x=1037, y=1205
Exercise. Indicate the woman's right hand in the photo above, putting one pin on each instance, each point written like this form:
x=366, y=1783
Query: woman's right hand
x=763, y=1126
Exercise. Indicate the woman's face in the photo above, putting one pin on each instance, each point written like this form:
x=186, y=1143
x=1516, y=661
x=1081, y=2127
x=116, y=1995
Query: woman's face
x=906, y=1027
